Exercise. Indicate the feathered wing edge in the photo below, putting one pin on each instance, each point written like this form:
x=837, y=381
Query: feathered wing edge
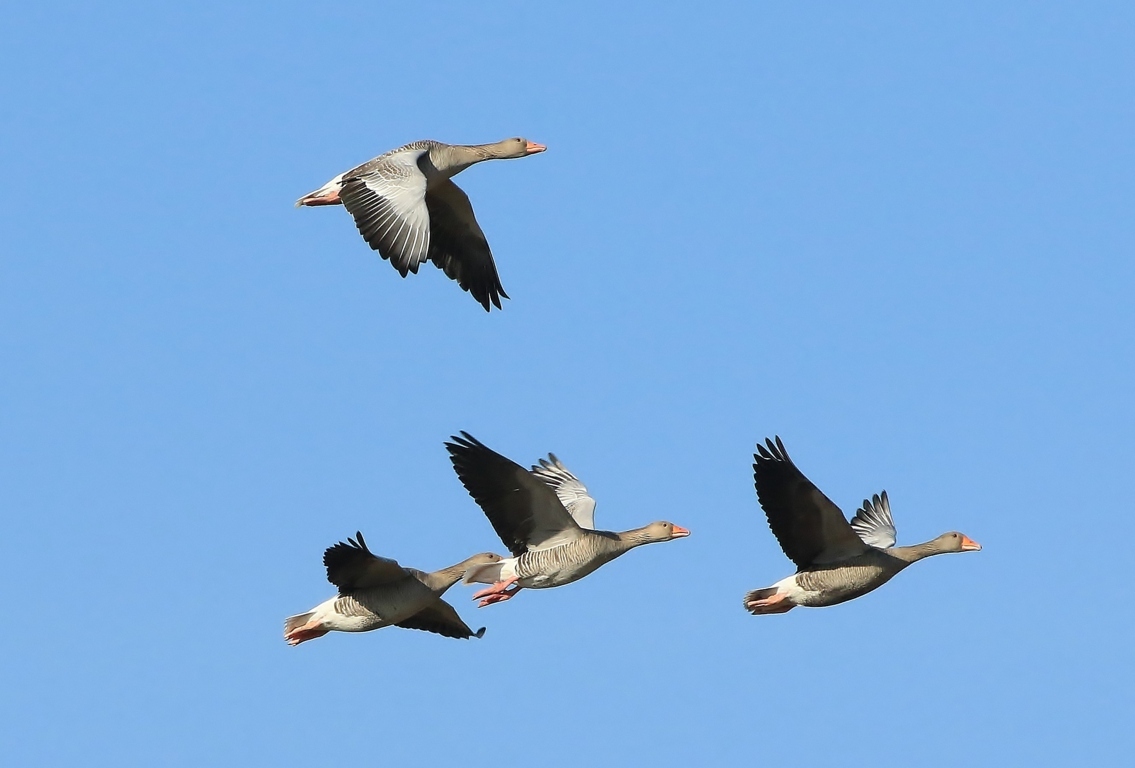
x=873, y=522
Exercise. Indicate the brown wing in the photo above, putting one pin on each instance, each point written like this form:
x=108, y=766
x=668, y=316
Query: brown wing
x=525, y=512
x=352, y=566
x=458, y=246
x=810, y=528
x=442, y=619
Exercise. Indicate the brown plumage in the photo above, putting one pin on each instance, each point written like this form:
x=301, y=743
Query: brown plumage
x=836, y=560
x=376, y=592
x=538, y=516
x=407, y=209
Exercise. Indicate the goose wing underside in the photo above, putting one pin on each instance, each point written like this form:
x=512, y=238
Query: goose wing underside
x=441, y=618
x=873, y=522
x=571, y=492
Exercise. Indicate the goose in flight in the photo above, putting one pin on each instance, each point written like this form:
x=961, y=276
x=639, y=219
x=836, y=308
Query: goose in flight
x=376, y=592
x=544, y=516
x=407, y=209
x=835, y=560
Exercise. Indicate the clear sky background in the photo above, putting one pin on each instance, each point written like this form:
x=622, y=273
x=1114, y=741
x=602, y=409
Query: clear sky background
x=899, y=237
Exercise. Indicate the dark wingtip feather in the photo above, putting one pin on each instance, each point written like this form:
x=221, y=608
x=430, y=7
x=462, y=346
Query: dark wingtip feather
x=335, y=555
x=770, y=451
x=479, y=633
x=337, y=550
x=462, y=443
x=360, y=542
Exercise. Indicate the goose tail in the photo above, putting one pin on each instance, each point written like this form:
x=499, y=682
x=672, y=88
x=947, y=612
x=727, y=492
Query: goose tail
x=297, y=629
x=328, y=194
x=760, y=602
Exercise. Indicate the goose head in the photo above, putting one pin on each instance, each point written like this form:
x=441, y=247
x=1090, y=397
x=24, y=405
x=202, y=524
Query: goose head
x=662, y=531
x=955, y=542
x=484, y=558
x=518, y=147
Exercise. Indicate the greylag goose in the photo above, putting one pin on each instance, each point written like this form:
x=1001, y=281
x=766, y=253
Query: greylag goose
x=835, y=560
x=407, y=209
x=376, y=592
x=544, y=516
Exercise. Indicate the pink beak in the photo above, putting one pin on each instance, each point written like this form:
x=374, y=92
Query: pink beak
x=969, y=545
x=533, y=148
x=679, y=532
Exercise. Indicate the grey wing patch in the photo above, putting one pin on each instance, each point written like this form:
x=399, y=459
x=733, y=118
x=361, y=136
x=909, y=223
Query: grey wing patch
x=351, y=566
x=387, y=200
x=569, y=490
x=524, y=512
x=441, y=618
x=874, y=524
x=458, y=246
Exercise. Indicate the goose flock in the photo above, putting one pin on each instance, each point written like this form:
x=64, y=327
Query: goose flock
x=406, y=207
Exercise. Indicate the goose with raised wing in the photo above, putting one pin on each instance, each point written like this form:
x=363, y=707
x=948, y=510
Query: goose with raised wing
x=377, y=592
x=544, y=516
x=407, y=209
x=836, y=560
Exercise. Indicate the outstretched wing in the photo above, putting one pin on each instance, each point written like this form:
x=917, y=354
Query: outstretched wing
x=458, y=246
x=352, y=566
x=810, y=528
x=387, y=198
x=440, y=618
x=524, y=512
x=569, y=490
x=874, y=524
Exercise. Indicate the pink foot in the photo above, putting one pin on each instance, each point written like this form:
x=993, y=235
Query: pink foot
x=499, y=597
x=776, y=603
x=497, y=588
x=331, y=198
x=304, y=633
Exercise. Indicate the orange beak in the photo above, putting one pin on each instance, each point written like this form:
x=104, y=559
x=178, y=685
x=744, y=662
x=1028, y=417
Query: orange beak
x=969, y=545
x=534, y=148
x=679, y=532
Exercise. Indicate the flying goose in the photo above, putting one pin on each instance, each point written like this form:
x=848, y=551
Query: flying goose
x=544, y=516
x=407, y=209
x=836, y=560
x=376, y=592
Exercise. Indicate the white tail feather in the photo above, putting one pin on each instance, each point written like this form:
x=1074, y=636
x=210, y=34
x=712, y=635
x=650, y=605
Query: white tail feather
x=330, y=188
x=298, y=620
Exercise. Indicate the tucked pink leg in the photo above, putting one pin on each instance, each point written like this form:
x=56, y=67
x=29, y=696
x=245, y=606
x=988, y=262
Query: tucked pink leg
x=307, y=632
x=496, y=588
x=499, y=597
x=775, y=603
x=331, y=198
x=498, y=592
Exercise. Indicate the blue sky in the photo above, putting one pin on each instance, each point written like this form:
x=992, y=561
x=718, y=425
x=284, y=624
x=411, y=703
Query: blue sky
x=899, y=237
